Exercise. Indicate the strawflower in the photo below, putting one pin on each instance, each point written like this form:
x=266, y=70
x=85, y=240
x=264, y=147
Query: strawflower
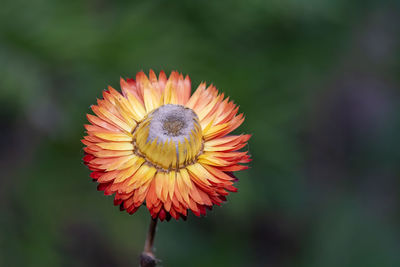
x=157, y=145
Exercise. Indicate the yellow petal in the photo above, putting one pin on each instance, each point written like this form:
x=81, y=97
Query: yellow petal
x=122, y=124
x=151, y=100
x=183, y=189
x=136, y=106
x=117, y=164
x=142, y=176
x=134, y=161
x=160, y=176
x=123, y=175
x=111, y=153
x=206, y=158
x=171, y=184
x=198, y=173
x=170, y=94
x=115, y=136
x=186, y=178
x=116, y=145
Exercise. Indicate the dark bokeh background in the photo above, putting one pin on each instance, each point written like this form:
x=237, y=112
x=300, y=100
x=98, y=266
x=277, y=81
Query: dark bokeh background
x=319, y=84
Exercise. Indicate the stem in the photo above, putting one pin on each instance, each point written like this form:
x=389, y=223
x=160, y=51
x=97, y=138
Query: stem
x=147, y=258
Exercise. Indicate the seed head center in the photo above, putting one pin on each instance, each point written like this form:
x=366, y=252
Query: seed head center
x=173, y=125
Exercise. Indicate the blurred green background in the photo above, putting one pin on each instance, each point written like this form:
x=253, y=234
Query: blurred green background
x=318, y=82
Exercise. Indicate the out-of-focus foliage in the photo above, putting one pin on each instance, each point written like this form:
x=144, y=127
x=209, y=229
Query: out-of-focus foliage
x=317, y=80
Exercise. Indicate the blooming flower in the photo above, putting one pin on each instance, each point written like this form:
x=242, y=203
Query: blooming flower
x=157, y=144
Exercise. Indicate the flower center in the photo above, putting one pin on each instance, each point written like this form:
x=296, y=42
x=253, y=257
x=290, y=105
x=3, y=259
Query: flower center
x=173, y=125
x=169, y=137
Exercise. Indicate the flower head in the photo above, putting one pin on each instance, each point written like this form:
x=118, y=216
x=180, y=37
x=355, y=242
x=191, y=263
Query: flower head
x=157, y=144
